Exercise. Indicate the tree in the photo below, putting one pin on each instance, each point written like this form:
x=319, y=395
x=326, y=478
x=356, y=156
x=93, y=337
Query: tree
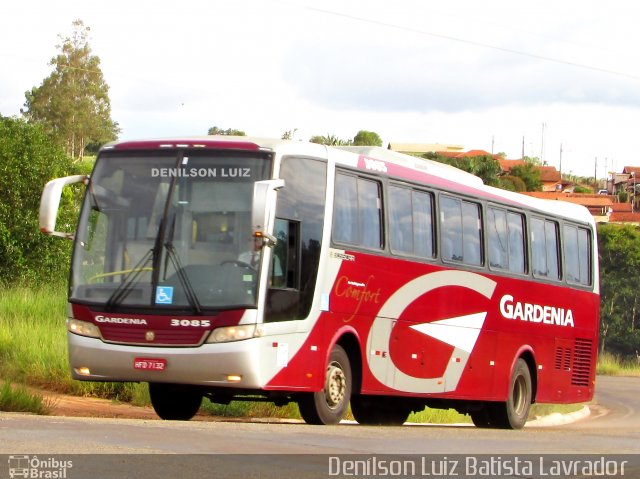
x=487, y=168
x=529, y=174
x=330, y=140
x=367, y=138
x=512, y=183
x=619, y=251
x=289, y=134
x=484, y=166
x=214, y=130
x=73, y=103
x=28, y=159
x=532, y=160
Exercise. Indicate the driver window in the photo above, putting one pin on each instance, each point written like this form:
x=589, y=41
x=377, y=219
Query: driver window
x=284, y=271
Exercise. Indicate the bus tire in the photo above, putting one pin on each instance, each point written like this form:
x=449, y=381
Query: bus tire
x=514, y=412
x=329, y=405
x=174, y=402
x=379, y=411
x=481, y=417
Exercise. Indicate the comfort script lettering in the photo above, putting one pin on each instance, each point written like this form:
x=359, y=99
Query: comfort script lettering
x=358, y=292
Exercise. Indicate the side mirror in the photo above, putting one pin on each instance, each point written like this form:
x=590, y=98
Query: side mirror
x=264, y=207
x=50, y=203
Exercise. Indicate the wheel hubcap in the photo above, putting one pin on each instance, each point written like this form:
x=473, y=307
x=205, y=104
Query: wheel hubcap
x=519, y=395
x=335, y=386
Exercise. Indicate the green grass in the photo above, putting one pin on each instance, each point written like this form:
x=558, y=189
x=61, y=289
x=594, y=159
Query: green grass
x=33, y=351
x=32, y=338
x=612, y=365
x=33, y=345
x=19, y=399
x=251, y=409
x=438, y=416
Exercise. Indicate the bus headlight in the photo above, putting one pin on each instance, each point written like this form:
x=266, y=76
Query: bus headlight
x=234, y=333
x=83, y=328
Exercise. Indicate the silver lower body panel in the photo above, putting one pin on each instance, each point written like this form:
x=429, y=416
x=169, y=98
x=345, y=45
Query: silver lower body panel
x=206, y=365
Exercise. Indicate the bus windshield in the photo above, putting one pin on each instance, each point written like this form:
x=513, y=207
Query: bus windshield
x=169, y=229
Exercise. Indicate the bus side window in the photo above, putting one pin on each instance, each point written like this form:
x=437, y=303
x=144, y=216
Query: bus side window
x=472, y=237
x=451, y=229
x=357, y=215
x=584, y=256
x=505, y=234
x=544, y=248
x=552, y=243
x=400, y=220
x=538, y=249
x=517, y=260
x=577, y=255
x=572, y=268
x=345, y=224
x=461, y=231
x=497, y=236
x=423, y=224
x=370, y=206
x=410, y=224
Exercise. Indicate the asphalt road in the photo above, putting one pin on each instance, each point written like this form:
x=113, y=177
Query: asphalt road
x=142, y=445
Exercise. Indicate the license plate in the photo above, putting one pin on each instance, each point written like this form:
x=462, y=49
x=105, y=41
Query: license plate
x=149, y=364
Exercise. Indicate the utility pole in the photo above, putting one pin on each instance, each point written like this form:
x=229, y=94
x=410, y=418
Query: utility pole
x=560, y=160
x=595, y=175
x=542, y=144
x=633, y=196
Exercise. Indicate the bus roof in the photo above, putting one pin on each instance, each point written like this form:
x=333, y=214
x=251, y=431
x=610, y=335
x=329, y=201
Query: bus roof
x=404, y=166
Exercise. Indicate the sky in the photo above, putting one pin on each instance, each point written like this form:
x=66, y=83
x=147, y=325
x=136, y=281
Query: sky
x=557, y=80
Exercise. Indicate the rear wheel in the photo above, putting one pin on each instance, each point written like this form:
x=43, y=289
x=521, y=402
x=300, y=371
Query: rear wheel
x=379, y=411
x=513, y=413
x=481, y=417
x=329, y=405
x=516, y=409
x=175, y=401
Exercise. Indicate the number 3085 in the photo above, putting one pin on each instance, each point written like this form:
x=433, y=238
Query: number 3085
x=198, y=323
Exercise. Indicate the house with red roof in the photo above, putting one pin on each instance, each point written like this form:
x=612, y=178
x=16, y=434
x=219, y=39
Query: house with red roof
x=605, y=208
x=600, y=206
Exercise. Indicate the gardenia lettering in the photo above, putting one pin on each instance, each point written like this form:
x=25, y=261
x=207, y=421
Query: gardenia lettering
x=114, y=320
x=535, y=313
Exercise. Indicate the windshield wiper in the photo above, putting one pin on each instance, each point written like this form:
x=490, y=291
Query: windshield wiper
x=124, y=288
x=182, y=276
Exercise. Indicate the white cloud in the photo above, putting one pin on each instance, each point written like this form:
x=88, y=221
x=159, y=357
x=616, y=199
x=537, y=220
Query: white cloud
x=411, y=70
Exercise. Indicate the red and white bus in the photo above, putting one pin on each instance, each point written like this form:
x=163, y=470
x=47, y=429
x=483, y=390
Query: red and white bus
x=236, y=268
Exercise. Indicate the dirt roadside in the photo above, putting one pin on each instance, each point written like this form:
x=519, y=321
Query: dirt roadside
x=75, y=406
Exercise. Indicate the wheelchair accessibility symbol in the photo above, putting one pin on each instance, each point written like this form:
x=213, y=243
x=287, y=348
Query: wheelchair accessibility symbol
x=164, y=295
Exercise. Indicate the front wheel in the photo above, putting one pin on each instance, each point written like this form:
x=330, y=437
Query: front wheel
x=174, y=401
x=329, y=405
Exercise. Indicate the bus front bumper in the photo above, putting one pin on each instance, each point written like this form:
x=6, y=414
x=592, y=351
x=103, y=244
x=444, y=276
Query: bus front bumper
x=233, y=364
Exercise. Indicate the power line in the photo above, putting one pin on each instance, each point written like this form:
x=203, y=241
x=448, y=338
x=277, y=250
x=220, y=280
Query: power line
x=465, y=41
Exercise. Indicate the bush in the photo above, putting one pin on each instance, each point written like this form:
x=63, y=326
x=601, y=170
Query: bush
x=28, y=159
x=582, y=189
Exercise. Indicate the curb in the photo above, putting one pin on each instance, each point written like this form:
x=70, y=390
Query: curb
x=558, y=419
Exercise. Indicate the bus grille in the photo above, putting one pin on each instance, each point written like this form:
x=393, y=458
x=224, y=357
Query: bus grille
x=582, y=362
x=186, y=337
x=563, y=359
